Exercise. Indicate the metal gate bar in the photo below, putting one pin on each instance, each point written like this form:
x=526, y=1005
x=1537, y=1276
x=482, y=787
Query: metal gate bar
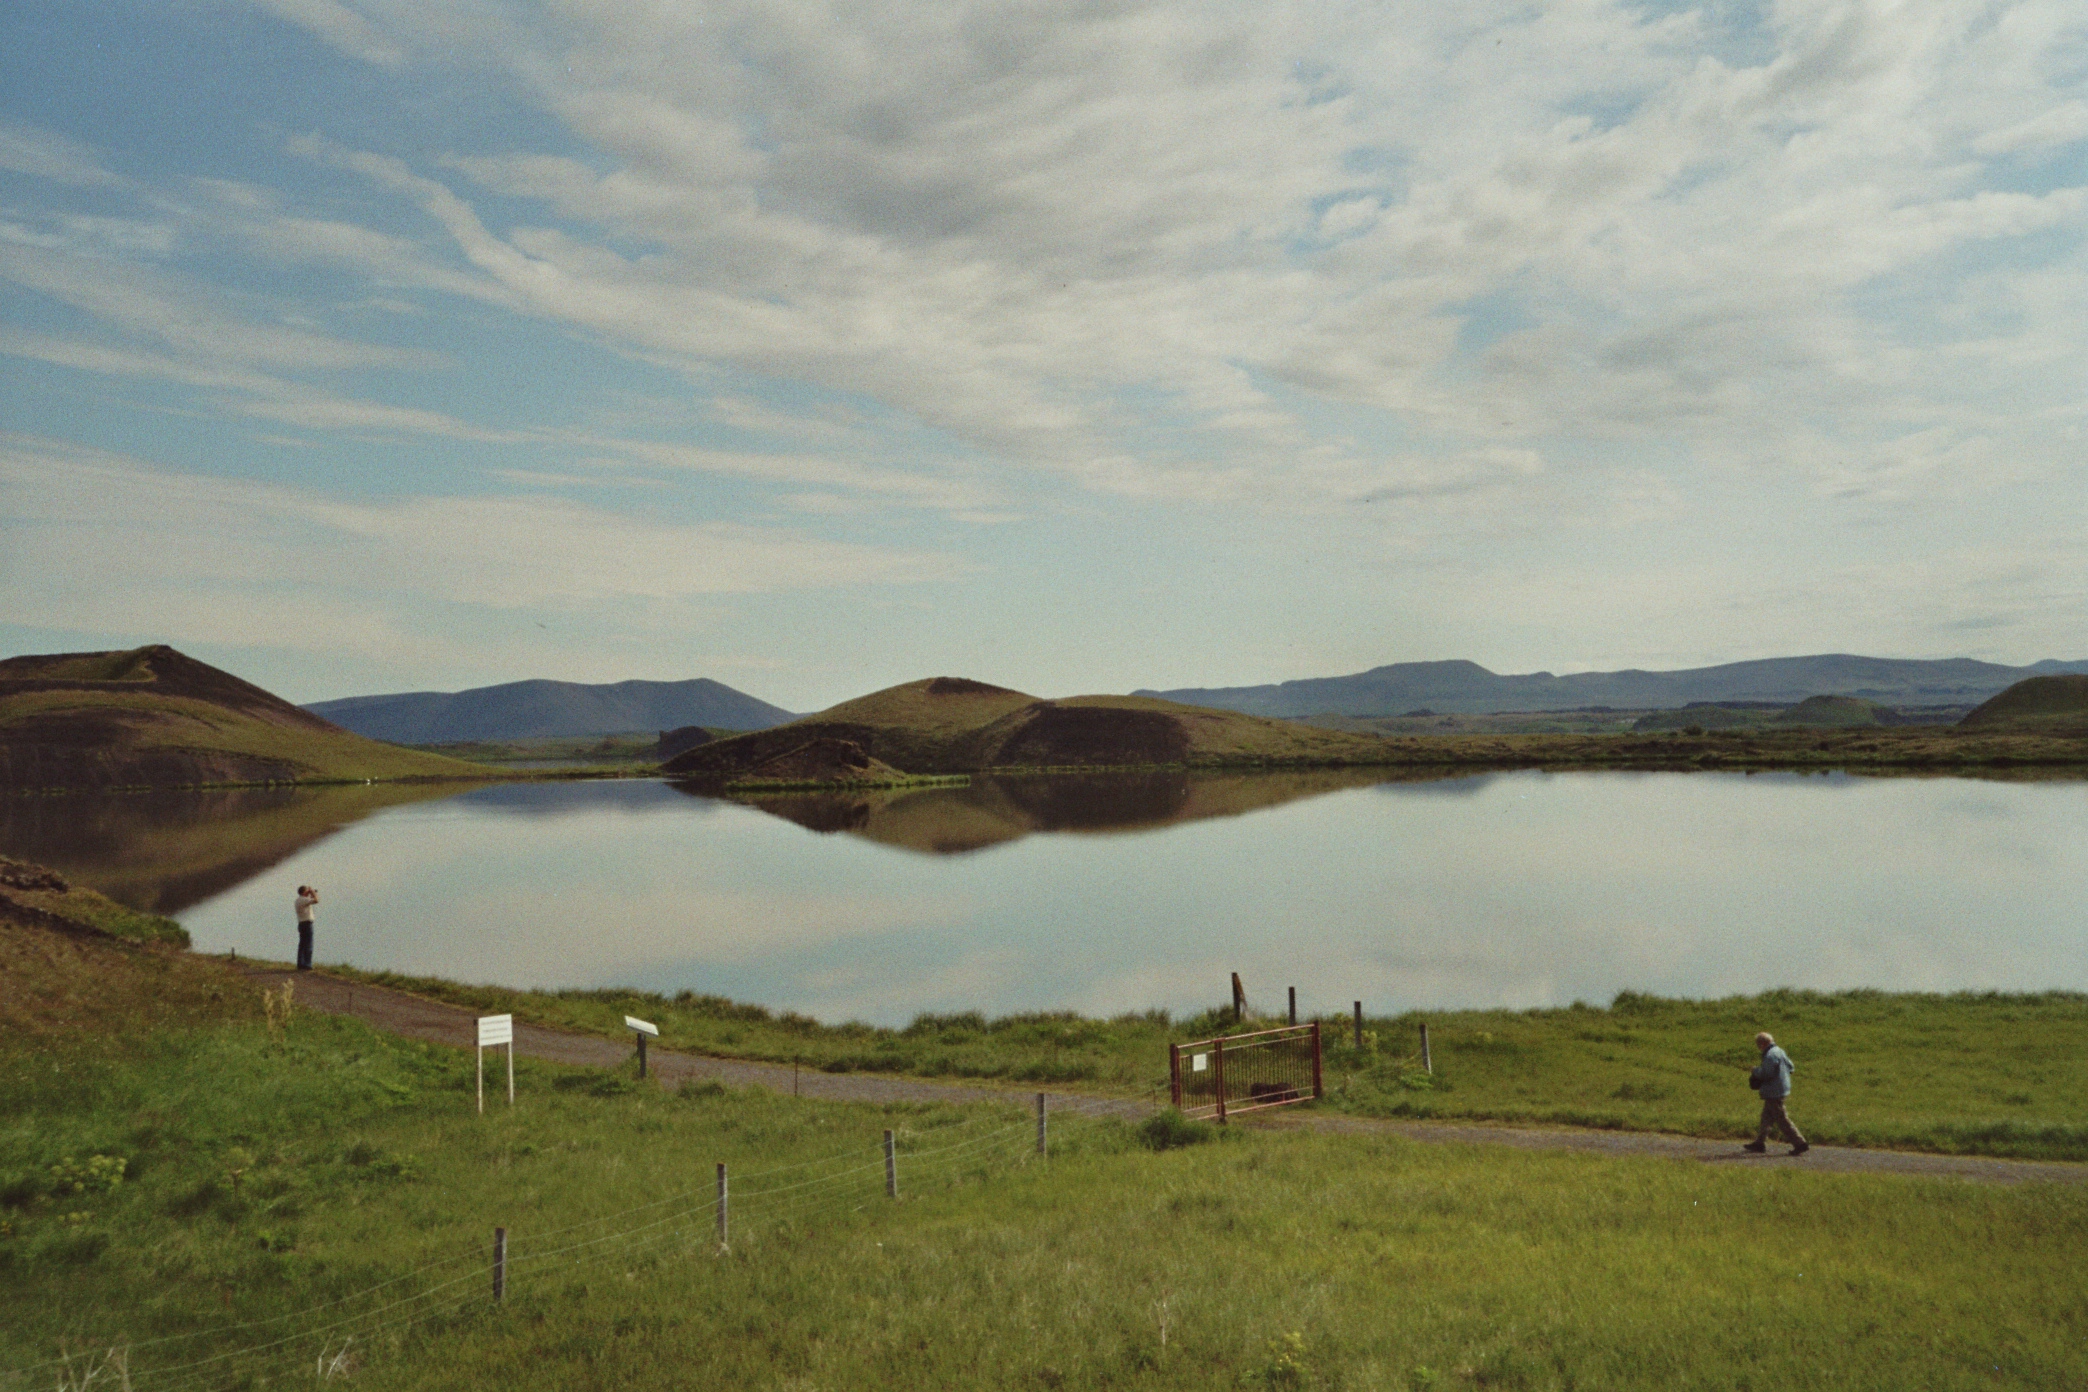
x=1246, y=1072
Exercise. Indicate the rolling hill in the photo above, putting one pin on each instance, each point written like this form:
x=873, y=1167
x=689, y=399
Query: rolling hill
x=1467, y=688
x=954, y=725
x=154, y=717
x=2041, y=705
x=549, y=709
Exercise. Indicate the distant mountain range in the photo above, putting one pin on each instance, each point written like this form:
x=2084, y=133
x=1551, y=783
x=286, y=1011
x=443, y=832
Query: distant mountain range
x=549, y=709
x=1466, y=688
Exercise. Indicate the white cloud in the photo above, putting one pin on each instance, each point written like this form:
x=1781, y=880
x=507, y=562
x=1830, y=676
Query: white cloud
x=169, y=544
x=340, y=26
x=45, y=154
x=2062, y=125
x=1005, y=223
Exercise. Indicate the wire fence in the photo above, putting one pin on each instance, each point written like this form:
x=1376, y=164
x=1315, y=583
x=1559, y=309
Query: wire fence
x=329, y=1339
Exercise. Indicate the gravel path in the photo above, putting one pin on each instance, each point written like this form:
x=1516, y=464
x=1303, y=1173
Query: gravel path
x=417, y=1018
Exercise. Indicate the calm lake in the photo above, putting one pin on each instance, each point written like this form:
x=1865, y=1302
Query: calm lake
x=1109, y=894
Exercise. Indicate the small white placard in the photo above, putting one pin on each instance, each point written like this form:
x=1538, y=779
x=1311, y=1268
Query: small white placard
x=1199, y=1062
x=642, y=1026
x=496, y=1029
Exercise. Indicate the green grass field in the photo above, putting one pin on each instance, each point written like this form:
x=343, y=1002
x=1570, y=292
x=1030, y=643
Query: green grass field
x=2003, y=1075
x=228, y=1206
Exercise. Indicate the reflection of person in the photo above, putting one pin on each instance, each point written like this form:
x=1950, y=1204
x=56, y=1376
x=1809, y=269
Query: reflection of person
x=1772, y=1077
x=307, y=909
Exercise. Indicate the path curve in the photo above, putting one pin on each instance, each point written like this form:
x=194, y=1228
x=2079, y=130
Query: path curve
x=402, y=1013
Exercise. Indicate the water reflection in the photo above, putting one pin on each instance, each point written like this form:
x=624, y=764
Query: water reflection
x=990, y=811
x=168, y=850
x=1108, y=894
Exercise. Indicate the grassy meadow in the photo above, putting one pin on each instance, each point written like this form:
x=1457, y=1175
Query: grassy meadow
x=234, y=1201
x=1992, y=1074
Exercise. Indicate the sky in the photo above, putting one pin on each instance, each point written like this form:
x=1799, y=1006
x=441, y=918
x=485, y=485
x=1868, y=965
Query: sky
x=376, y=345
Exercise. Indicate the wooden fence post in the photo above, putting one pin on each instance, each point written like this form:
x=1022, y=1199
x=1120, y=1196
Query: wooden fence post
x=1040, y=1123
x=641, y=1057
x=1427, y=1061
x=1174, y=1074
x=722, y=1229
x=500, y=1263
x=1359, y=1024
x=1318, y=1090
x=1218, y=1062
x=1239, y=999
x=891, y=1169
x=1294, y=1005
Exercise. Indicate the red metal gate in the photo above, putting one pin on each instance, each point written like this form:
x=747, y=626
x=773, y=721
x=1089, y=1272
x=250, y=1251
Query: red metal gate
x=1246, y=1072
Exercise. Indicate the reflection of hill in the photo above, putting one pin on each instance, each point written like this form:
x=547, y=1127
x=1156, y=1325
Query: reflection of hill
x=164, y=851
x=991, y=810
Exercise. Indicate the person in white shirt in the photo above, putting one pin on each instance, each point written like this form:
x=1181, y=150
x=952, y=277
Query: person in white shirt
x=307, y=910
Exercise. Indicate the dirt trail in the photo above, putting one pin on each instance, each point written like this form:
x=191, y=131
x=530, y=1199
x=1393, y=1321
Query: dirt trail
x=417, y=1018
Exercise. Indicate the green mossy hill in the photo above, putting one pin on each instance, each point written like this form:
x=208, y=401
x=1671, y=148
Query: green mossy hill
x=1833, y=711
x=154, y=717
x=37, y=896
x=1701, y=718
x=954, y=725
x=2047, y=705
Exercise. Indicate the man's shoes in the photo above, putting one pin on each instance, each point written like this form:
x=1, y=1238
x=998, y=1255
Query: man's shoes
x=1755, y=1147
x=1801, y=1147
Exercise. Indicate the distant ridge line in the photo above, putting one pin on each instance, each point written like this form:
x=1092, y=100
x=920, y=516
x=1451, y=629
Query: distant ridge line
x=1462, y=687
x=545, y=709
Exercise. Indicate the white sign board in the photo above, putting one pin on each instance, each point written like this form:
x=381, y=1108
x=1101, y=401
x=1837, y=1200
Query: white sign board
x=1199, y=1062
x=642, y=1026
x=496, y=1029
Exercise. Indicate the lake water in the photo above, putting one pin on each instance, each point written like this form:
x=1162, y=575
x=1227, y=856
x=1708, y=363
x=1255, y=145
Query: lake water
x=1109, y=894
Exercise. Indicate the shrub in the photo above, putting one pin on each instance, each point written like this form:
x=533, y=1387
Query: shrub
x=1170, y=1130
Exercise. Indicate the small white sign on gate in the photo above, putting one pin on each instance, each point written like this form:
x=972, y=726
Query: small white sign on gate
x=1199, y=1062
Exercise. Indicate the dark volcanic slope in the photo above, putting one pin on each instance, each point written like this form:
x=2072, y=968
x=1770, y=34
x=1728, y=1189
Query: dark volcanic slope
x=548, y=709
x=2052, y=705
x=953, y=725
x=158, y=670
x=1468, y=688
x=153, y=718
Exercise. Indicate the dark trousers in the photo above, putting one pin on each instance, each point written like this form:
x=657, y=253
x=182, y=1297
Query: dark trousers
x=1774, y=1117
x=304, y=947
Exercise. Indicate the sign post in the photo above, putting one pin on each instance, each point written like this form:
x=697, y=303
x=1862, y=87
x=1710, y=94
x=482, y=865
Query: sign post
x=642, y=1030
x=493, y=1031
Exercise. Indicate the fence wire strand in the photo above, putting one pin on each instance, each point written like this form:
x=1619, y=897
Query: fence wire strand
x=848, y=1182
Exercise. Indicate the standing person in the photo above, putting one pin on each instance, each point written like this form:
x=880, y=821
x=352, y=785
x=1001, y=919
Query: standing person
x=307, y=909
x=1772, y=1076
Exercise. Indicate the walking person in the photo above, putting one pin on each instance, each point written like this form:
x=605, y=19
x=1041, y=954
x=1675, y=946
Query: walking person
x=1772, y=1078
x=307, y=910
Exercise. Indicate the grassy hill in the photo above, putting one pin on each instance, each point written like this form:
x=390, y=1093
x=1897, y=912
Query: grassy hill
x=2045, y=705
x=954, y=725
x=154, y=717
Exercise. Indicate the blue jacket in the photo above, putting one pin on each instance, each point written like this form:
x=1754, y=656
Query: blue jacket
x=1774, y=1072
